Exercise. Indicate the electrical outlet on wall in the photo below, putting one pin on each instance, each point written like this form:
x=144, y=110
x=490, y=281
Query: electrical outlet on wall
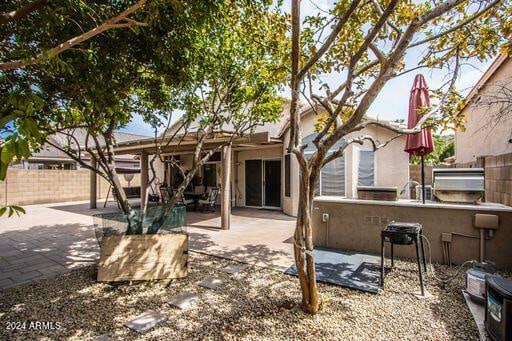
x=325, y=217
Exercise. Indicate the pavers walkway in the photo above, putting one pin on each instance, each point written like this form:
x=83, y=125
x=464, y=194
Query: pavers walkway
x=47, y=240
x=54, y=238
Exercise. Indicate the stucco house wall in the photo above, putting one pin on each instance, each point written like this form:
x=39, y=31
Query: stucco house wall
x=484, y=135
x=391, y=163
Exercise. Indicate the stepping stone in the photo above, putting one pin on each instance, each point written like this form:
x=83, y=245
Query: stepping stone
x=184, y=300
x=234, y=268
x=211, y=283
x=146, y=321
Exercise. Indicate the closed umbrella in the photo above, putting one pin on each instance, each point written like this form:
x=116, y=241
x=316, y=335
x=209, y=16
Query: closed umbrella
x=421, y=143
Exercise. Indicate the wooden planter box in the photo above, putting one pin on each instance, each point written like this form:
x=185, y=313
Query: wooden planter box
x=143, y=257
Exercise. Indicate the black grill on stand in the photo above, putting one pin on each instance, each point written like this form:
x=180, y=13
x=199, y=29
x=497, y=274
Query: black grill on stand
x=401, y=233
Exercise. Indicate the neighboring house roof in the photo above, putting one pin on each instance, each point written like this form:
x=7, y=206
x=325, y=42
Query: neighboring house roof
x=50, y=152
x=491, y=70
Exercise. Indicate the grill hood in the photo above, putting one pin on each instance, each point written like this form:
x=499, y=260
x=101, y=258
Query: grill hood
x=459, y=184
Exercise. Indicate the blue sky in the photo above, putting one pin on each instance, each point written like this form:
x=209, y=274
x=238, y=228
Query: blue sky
x=392, y=102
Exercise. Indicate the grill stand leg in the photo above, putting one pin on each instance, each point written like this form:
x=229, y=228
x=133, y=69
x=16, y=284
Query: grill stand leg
x=382, y=262
x=423, y=252
x=419, y=267
x=392, y=255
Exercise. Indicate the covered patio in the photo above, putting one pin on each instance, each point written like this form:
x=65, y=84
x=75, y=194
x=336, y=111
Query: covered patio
x=224, y=169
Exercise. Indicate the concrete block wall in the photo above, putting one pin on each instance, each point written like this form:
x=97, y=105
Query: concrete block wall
x=498, y=179
x=30, y=186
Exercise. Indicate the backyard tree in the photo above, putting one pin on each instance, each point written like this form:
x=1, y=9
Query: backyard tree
x=235, y=83
x=364, y=44
x=22, y=45
x=153, y=71
x=20, y=53
x=90, y=88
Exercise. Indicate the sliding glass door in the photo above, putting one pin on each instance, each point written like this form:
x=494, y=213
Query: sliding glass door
x=263, y=183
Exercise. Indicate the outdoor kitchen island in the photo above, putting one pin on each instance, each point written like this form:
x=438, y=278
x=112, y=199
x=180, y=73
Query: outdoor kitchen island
x=355, y=225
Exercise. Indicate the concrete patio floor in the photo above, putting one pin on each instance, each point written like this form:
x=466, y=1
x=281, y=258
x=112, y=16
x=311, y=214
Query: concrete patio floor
x=54, y=238
x=259, y=237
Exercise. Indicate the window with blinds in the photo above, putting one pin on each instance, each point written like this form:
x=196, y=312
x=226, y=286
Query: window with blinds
x=332, y=178
x=366, y=168
x=332, y=175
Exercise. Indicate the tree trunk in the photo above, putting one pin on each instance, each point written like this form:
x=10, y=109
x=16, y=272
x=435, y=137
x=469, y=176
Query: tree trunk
x=303, y=238
x=158, y=222
x=303, y=250
x=134, y=218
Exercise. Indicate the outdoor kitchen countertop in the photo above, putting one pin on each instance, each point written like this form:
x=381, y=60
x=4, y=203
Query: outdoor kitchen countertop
x=483, y=206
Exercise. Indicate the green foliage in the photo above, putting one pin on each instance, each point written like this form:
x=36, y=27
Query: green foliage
x=10, y=210
x=444, y=147
x=93, y=86
x=471, y=39
x=221, y=62
x=241, y=66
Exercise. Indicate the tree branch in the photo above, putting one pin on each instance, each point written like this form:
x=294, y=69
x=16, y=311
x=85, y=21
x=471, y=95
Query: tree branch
x=22, y=12
x=330, y=39
x=458, y=26
x=359, y=140
x=119, y=21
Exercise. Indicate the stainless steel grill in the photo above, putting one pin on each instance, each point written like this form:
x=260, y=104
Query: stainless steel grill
x=465, y=185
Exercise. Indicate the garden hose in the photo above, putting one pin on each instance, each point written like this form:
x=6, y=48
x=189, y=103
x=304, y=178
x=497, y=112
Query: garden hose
x=446, y=280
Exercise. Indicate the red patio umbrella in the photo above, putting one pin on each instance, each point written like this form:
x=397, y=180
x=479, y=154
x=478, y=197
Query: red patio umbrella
x=421, y=143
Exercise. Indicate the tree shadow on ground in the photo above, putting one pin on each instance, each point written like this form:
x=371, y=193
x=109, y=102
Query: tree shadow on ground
x=45, y=250
x=85, y=308
x=249, y=253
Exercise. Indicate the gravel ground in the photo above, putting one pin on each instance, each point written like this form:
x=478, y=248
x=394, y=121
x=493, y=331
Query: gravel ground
x=255, y=304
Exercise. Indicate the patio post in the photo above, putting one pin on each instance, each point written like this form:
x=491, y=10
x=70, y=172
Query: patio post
x=225, y=200
x=144, y=178
x=92, y=185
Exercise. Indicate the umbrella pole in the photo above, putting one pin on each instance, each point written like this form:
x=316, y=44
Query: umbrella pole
x=422, y=179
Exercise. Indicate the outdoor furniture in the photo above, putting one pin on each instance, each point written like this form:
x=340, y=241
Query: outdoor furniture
x=182, y=200
x=210, y=200
x=195, y=197
x=166, y=193
x=401, y=233
x=130, y=192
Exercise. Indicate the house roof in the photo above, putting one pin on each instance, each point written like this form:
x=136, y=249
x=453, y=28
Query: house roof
x=273, y=128
x=262, y=134
x=266, y=134
x=309, y=109
x=50, y=152
x=491, y=70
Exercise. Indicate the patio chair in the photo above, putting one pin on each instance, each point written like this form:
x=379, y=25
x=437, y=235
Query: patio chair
x=209, y=202
x=182, y=200
x=166, y=194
